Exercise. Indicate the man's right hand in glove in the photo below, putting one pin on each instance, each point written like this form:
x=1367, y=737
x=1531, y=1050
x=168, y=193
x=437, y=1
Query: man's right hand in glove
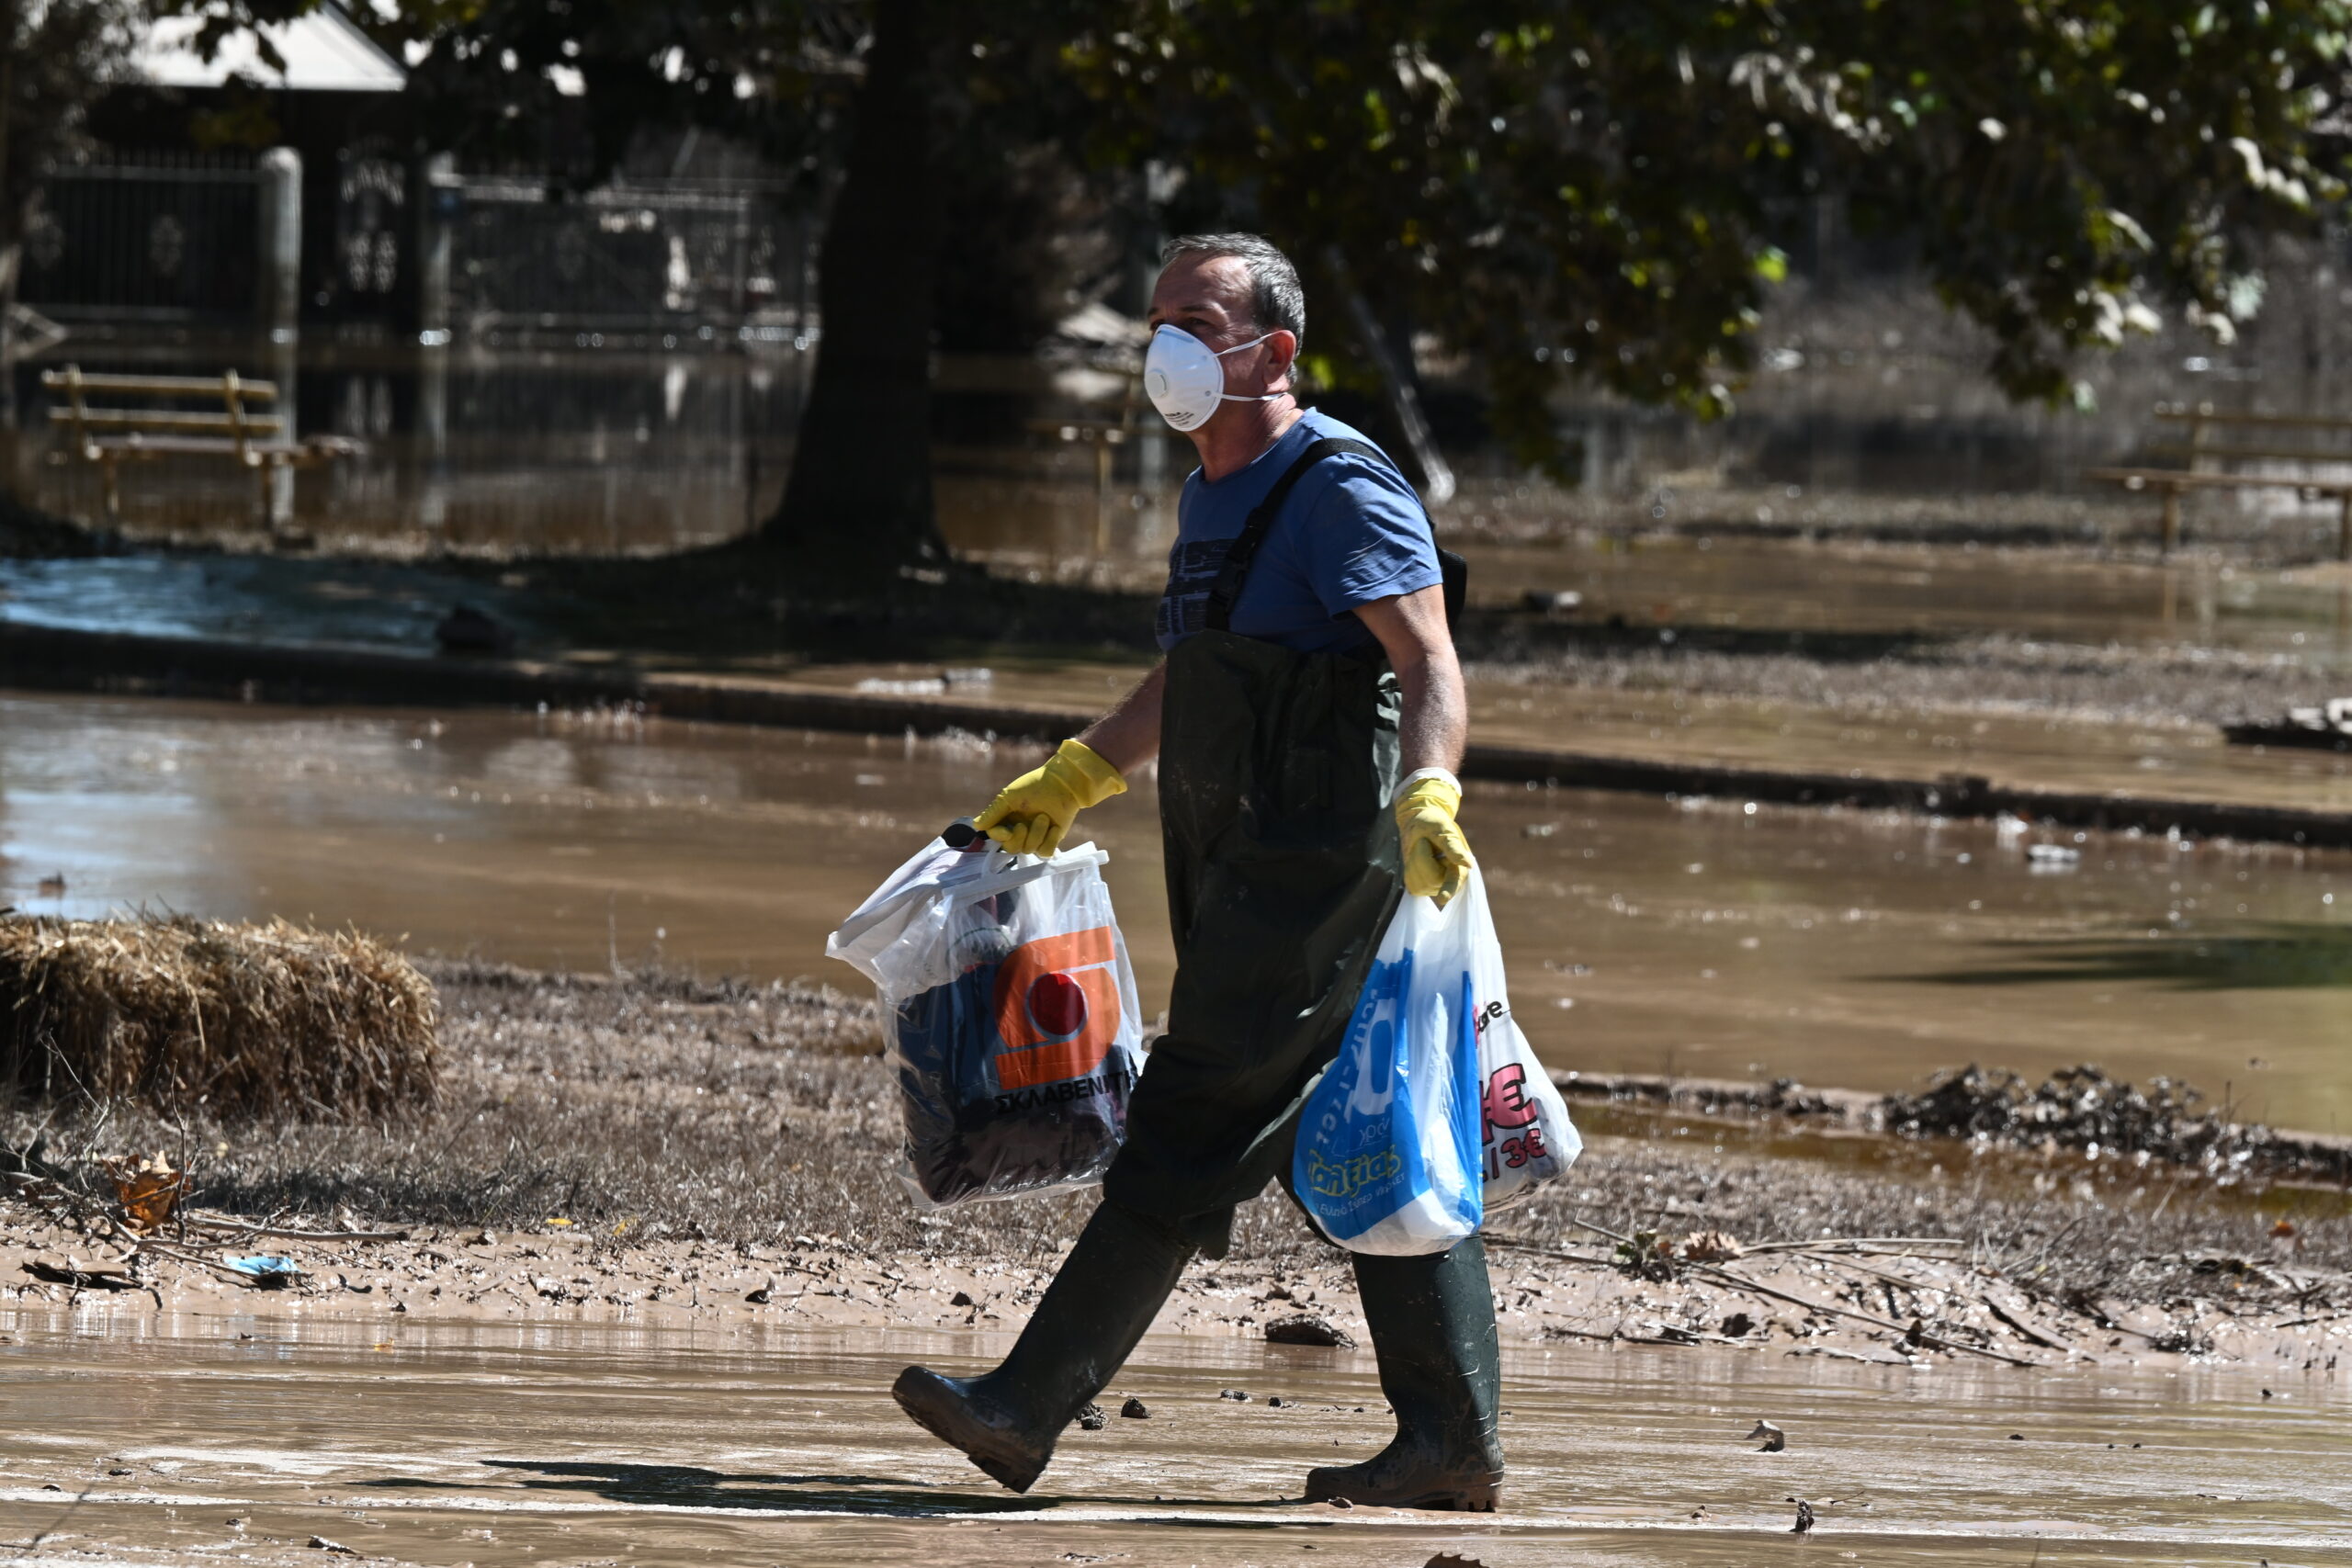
x=1030, y=815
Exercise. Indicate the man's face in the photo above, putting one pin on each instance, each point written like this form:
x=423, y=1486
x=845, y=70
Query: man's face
x=1211, y=298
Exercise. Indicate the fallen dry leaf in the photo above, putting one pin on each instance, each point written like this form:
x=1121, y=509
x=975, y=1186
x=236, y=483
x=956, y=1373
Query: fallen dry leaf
x=148, y=1190
x=1708, y=1247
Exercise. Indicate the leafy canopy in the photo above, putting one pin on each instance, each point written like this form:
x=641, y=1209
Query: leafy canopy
x=1593, y=187
x=1553, y=188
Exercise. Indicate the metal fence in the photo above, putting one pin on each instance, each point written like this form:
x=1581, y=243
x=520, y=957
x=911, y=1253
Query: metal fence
x=670, y=256
x=165, y=237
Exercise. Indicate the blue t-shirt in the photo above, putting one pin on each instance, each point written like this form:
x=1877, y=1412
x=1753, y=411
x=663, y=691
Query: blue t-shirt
x=1351, y=531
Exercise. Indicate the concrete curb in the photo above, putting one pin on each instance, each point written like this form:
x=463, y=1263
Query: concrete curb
x=49, y=658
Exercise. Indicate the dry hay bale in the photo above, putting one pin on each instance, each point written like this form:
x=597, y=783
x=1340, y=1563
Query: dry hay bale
x=234, y=1020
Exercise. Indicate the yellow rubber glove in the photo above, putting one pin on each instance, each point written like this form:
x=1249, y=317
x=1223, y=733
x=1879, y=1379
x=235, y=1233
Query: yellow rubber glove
x=1030, y=815
x=1436, y=855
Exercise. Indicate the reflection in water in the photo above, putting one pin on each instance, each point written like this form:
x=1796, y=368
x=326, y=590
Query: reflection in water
x=1643, y=935
x=568, y=1442
x=503, y=451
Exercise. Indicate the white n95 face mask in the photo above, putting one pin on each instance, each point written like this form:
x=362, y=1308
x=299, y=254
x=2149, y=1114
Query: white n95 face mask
x=1184, y=381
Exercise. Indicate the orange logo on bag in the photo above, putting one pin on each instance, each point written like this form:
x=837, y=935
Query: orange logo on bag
x=1057, y=1008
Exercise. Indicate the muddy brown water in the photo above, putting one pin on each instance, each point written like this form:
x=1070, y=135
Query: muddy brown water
x=1643, y=935
x=553, y=1442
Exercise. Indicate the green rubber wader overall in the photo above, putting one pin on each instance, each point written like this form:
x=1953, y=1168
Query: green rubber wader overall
x=1276, y=771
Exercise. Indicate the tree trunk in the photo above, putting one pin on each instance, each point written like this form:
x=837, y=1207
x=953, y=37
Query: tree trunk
x=12, y=205
x=1399, y=389
x=858, y=504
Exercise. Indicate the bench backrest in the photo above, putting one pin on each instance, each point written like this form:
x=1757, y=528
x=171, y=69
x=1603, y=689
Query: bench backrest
x=237, y=424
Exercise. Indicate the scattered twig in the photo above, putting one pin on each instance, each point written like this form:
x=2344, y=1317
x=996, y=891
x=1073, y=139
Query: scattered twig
x=1921, y=1334
x=239, y=1230
x=1826, y=1241
x=2036, y=1335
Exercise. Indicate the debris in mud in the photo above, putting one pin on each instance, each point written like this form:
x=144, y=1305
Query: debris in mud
x=81, y=1276
x=1134, y=1410
x=148, y=1190
x=1775, y=1439
x=761, y=1296
x=1091, y=1418
x=1647, y=1255
x=265, y=1272
x=1738, y=1325
x=1805, y=1519
x=321, y=1543
x=1310, y=1328
x=2184, y=1339
x=2081, y=1107
x=1452, y=1560
x=1708, y=1247
x=962, y=1299
x=1233, y=1393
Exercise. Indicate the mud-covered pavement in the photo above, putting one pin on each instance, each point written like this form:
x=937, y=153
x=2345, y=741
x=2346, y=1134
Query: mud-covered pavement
x=208, y=1436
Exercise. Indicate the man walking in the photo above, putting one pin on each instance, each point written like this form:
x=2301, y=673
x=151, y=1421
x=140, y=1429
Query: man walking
x=1309, y=670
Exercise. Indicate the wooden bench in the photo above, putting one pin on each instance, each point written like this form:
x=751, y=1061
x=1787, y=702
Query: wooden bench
x=110, y=436
x=2200, y=453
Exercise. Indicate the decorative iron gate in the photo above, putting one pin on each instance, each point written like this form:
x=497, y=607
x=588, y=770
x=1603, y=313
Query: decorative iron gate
x=630, y=256
x=158, y=236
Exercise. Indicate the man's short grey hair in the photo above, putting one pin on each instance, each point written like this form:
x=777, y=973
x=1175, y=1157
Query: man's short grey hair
x=1279, y=301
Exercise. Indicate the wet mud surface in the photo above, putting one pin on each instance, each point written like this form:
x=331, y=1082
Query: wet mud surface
x=196, y=1439
x=1689, y=938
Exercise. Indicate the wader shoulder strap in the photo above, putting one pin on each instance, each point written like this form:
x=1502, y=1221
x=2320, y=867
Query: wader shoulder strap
x=1226, y=592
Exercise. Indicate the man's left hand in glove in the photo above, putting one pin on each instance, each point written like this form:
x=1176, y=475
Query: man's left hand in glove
x=1436, y=855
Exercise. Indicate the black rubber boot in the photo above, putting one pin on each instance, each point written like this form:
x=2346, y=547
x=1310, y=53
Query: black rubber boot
x=1110, y=1288
x=1432, y=1323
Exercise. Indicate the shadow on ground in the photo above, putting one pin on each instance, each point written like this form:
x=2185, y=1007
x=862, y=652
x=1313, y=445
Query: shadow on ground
x=2277, y=955
x=680, y=1486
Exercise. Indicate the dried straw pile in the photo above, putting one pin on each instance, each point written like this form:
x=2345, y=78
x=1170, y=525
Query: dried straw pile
x=234, y=1020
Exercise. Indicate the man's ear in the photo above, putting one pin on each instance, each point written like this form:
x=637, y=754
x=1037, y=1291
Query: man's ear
x=1284, y=344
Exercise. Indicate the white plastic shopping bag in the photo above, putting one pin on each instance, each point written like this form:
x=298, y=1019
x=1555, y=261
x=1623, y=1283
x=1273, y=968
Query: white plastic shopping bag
x=1435, y=1109
x=1014, y=1029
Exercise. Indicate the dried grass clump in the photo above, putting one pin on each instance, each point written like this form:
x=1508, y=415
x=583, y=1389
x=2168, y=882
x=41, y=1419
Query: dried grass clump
x=236, y=1021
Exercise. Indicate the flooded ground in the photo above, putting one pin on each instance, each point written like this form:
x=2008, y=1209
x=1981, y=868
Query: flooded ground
x=188, y=1438
x=1643, y=935
x=2302, y=615
x=2067, y=596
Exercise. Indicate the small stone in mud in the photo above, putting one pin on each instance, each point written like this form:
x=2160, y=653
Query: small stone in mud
x=1341, y=1503
x=1805, y=1519
x=1308, y=1328
x=1234, y=1395
x=1738, y=1325
x=1452, y=1560
x=1091, y=1418
x=1134, y=1411
x=1275, y=1403
x=962, y=1299
x=322, y=1545
x=1775, y=1440
x=118, y=1471
x=2017, y=1437
x=760, y=1297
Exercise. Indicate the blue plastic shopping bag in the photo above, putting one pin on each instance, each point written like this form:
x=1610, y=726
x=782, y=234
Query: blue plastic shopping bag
x=1435, y=1109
